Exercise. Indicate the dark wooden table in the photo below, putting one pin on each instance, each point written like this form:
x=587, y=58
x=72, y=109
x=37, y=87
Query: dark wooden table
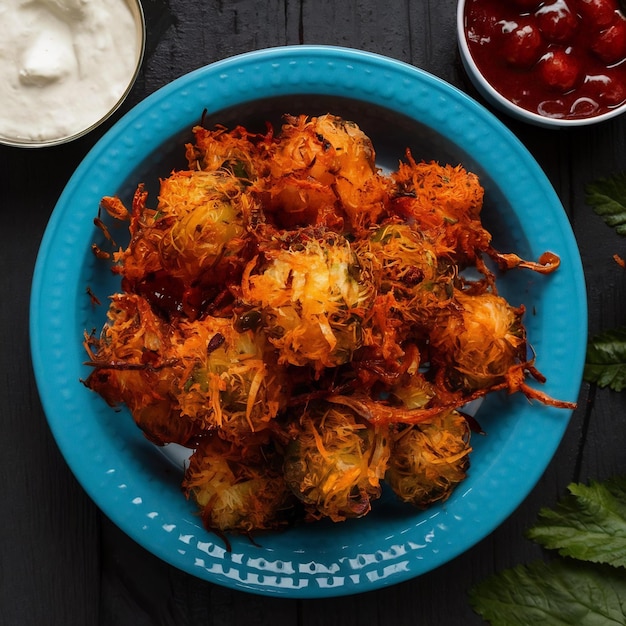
x=61, y=561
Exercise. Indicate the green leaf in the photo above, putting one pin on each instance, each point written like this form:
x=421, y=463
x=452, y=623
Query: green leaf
x=607, y=196
x=589, y=524
x=560, y=593
x=606, y=359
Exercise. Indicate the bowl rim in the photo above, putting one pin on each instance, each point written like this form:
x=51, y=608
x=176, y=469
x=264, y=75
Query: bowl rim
x=136, y=9
x=491, y=94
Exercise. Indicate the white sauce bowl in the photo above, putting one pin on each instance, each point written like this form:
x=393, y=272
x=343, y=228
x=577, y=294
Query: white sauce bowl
x=66, y=66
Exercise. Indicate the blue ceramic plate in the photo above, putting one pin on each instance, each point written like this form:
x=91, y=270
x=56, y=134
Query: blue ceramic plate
x=399, y=106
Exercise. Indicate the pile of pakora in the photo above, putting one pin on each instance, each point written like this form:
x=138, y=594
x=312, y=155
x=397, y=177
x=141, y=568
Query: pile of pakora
x=304, y=323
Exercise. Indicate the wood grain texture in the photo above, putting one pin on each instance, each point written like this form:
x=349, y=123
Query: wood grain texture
x=61, y=562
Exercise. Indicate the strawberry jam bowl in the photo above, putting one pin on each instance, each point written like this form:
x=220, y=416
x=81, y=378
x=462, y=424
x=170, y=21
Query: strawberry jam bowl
x=553, y=63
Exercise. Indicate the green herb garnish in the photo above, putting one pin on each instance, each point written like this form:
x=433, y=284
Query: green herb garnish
x=586, y=584
x=605, y=363
x=607, y=197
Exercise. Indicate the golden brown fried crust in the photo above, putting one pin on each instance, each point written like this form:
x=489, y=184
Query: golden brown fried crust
x=302, y=321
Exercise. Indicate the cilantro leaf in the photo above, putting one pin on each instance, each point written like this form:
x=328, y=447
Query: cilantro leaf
x=606, y=359
x=589, y=524
x=607, y=197
x=560, y=593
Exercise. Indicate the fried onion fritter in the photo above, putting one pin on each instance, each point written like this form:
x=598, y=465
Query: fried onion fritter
x=336, y=462
x=305, y=324
x=428, y=460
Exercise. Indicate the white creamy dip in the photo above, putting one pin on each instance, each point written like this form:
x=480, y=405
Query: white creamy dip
x=64, y=64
